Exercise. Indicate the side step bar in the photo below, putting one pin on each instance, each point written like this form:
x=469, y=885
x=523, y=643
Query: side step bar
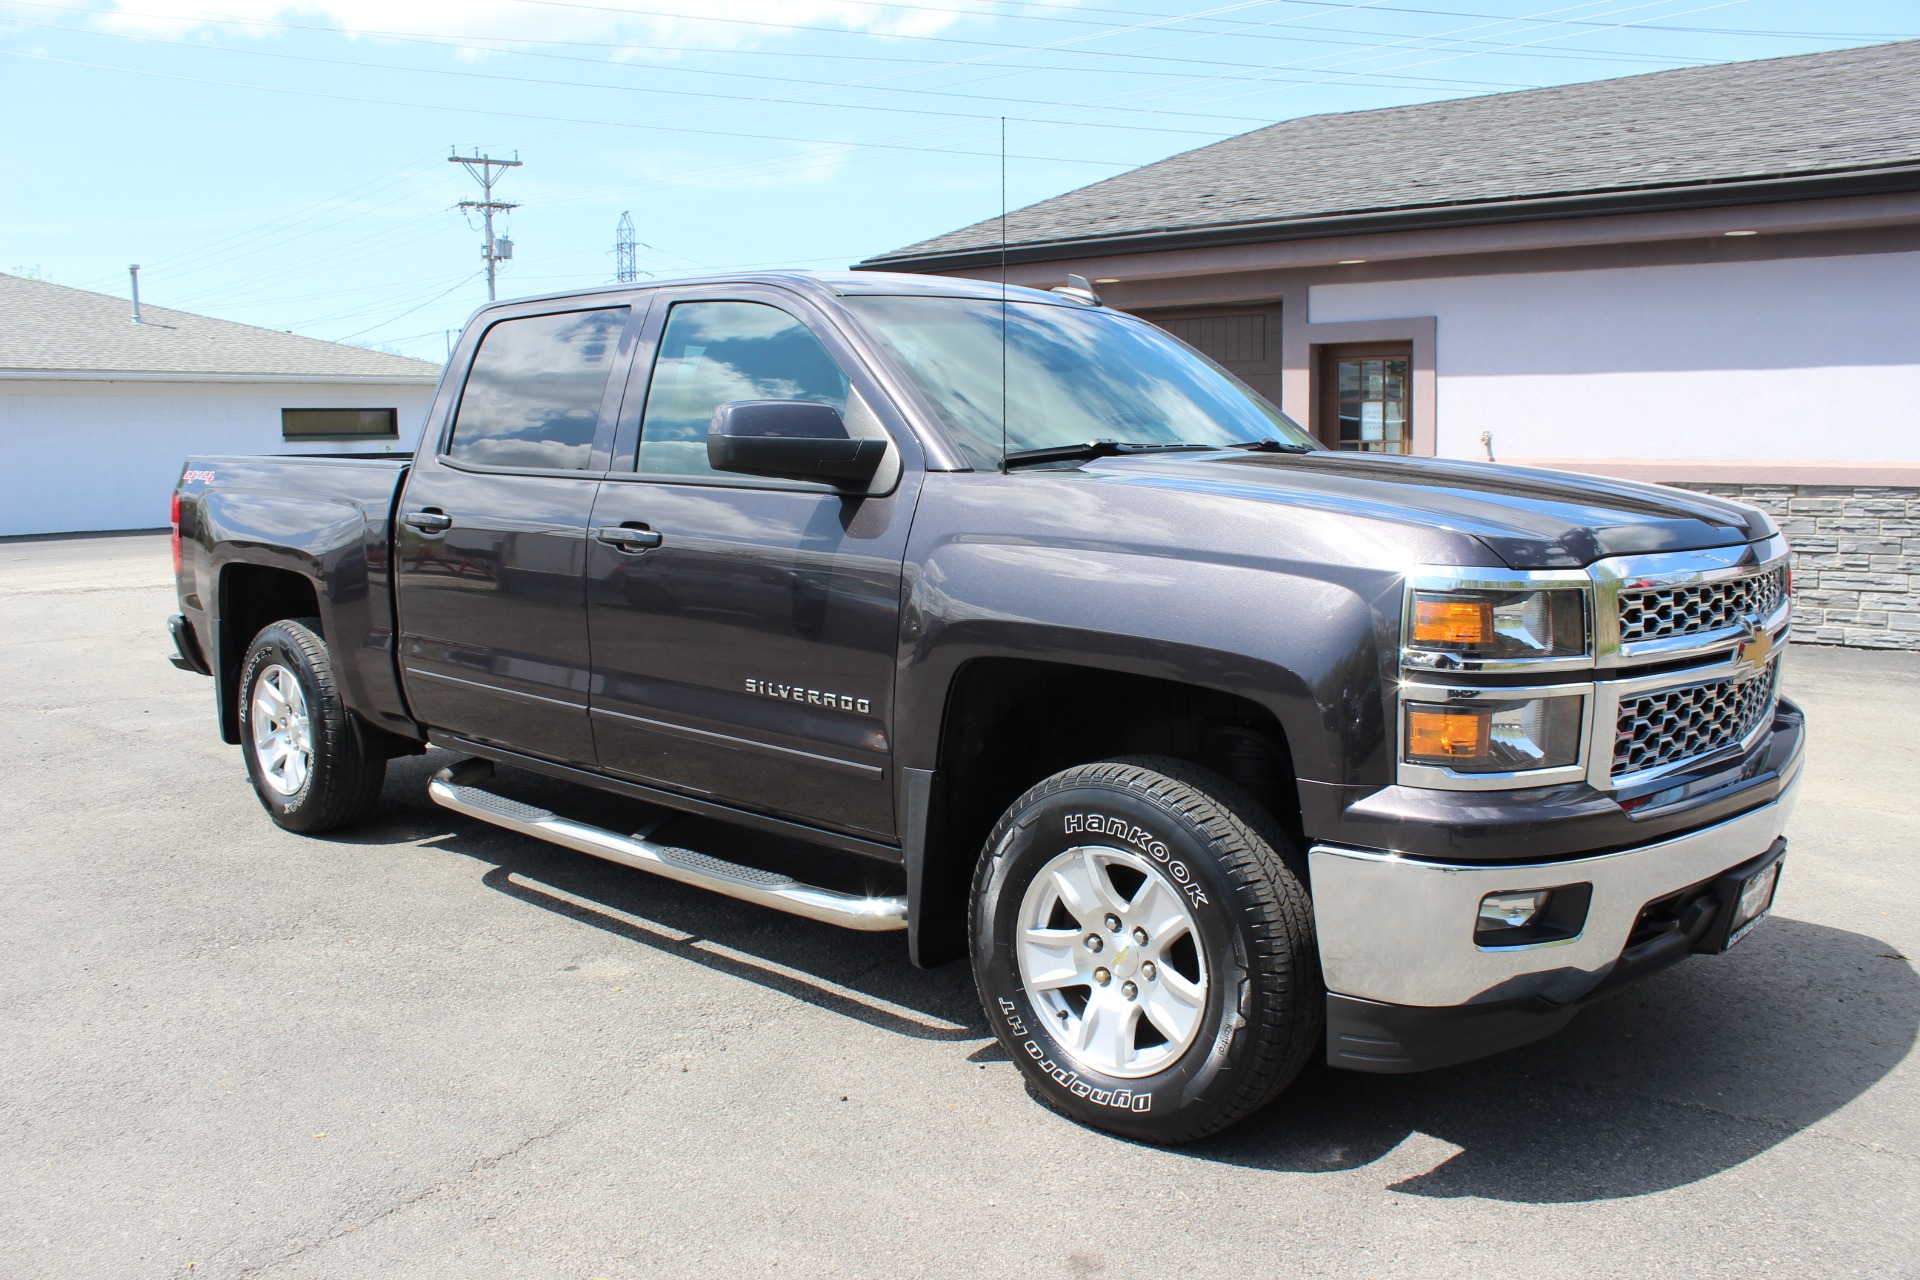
x=452, y=788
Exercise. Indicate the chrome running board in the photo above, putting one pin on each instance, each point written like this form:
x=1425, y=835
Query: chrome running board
x=452, y=788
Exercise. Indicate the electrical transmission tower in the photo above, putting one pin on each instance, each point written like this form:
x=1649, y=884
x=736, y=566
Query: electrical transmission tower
x=482, y=168
x=625, y=268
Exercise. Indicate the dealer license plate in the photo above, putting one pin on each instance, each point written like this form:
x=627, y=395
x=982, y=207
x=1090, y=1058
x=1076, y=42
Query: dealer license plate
x=1753, y=899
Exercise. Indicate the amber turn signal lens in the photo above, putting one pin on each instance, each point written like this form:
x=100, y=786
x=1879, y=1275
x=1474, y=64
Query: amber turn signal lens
x=1441, y=621
x=1447, y=735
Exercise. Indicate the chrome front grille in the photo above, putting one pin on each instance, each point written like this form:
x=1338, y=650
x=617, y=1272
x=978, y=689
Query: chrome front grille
x=1667, y=726
x=1657, y=613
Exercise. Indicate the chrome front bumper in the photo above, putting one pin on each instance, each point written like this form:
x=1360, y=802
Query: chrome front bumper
x=1401, y=931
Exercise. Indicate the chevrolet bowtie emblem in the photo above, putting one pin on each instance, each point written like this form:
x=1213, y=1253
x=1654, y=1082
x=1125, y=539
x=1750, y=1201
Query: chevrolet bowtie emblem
x=1757, y=647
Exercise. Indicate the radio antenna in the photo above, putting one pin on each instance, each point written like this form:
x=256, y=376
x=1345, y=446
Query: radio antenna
x=1003, y=295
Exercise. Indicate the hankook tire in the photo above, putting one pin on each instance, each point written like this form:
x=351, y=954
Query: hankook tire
x=308, y=760
x=1143, y=945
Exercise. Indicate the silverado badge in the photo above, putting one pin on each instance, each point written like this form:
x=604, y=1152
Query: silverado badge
x=812, y=697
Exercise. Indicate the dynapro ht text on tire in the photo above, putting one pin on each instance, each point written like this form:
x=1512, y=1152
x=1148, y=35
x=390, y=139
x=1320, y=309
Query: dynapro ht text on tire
x=309, y=763
x=1143, y=945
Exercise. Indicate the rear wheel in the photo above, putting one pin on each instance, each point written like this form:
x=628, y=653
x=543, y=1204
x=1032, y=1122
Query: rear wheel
x=306, y=755
x=1143, y=945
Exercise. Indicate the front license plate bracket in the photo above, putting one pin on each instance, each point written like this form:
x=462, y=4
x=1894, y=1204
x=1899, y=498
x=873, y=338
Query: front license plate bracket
x=1746, y=896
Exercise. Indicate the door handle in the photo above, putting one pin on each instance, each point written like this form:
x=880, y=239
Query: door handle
x=429, y=521
x=628, y=537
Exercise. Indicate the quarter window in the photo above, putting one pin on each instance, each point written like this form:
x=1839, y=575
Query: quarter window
x=712, y=353
x=533, y=396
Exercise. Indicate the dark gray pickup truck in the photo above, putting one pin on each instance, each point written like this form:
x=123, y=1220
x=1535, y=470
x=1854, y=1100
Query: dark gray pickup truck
x=1215, y=750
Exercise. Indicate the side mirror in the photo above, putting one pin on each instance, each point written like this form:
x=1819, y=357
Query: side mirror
x=790, y=440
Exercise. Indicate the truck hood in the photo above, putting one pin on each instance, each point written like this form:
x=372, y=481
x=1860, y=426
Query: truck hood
x=1531, y=519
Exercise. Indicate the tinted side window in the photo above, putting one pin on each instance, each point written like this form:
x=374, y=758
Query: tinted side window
x=715, y=352
x=533, y=396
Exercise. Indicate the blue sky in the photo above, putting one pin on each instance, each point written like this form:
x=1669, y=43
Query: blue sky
x=285, y=164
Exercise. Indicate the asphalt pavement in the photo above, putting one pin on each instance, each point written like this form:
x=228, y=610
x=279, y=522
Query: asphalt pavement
x=431, y=1048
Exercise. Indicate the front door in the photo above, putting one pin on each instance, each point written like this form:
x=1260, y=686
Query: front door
x=1366, y=398
x=747, y=654
x=490, y=544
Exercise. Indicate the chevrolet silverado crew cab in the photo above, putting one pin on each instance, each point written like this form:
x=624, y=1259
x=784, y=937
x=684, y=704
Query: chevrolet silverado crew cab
x=1054, y=646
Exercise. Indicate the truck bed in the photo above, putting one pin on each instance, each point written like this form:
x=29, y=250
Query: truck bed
x=325, y=520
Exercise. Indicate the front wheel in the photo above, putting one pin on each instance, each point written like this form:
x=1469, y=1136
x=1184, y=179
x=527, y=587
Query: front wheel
x=1143, y=945
x=308, y=761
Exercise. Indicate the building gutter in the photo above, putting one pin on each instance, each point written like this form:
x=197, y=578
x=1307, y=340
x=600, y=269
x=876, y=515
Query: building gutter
x=1882, y=180
x=142, y=375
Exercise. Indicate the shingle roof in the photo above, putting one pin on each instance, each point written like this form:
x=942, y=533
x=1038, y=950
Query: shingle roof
x=1850, y=109
x=50, y=328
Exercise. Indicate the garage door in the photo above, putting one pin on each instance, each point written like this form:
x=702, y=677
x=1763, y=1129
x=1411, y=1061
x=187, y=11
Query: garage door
x=1244, y=339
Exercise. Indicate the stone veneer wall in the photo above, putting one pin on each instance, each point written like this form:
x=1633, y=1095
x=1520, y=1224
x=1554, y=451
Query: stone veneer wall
x=1856, y=559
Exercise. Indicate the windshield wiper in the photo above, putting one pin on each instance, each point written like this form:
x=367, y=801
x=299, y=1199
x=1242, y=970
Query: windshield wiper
x=1095, y=449
x=1270, y=445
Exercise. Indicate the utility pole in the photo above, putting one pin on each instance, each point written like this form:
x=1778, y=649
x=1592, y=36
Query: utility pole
x=626, y=269
x=482, y=168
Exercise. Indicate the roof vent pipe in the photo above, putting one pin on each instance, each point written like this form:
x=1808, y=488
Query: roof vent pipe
x=134, y=271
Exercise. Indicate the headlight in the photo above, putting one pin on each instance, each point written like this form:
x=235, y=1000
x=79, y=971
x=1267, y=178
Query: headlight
x=1495, y=736
x=1499, y=624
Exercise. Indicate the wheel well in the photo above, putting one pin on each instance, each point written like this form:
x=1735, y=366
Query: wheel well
x=251, y=596
x=1010, y=723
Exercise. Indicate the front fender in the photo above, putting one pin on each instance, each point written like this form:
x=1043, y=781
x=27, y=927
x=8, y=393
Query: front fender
x=1307, y=648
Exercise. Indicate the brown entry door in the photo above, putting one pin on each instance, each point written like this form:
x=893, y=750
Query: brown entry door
x=1365, y=398
x=1243, y=340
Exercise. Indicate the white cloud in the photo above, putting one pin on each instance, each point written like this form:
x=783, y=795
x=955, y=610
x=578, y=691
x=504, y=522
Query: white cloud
x=666, y=22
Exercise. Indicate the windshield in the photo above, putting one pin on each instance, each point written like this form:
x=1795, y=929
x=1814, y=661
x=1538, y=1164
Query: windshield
x=1072, y=375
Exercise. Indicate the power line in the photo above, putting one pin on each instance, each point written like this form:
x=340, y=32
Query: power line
x=512, y=46
x=1408, y=44
x=1267, y=79
x=694, y=93
x=221, y=257
x=222, y=249
x=523, y=115
x=1439, y=41
x=410, y=310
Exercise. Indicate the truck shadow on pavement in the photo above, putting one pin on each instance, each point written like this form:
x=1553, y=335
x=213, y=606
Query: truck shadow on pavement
x=864, y=976
x=1682, y=1076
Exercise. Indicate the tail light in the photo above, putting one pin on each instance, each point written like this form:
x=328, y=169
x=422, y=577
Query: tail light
x=173, y=516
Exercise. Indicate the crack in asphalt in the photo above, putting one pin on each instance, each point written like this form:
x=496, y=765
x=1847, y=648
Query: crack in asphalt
x=799, y=1008
x=480, y=1166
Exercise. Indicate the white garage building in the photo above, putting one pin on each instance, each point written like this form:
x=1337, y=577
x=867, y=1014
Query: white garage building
x=97, y=413
x=1707, y=277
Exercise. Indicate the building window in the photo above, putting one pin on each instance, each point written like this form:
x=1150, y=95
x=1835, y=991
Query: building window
x=1367, y=400
x=340, y=424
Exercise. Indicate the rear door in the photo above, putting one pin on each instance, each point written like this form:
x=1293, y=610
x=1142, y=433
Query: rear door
x=748, y=655
x=490, y=541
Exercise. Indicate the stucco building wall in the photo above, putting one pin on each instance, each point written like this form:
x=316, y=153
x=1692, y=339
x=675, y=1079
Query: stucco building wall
x=96, y=454
x=1763, y=360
